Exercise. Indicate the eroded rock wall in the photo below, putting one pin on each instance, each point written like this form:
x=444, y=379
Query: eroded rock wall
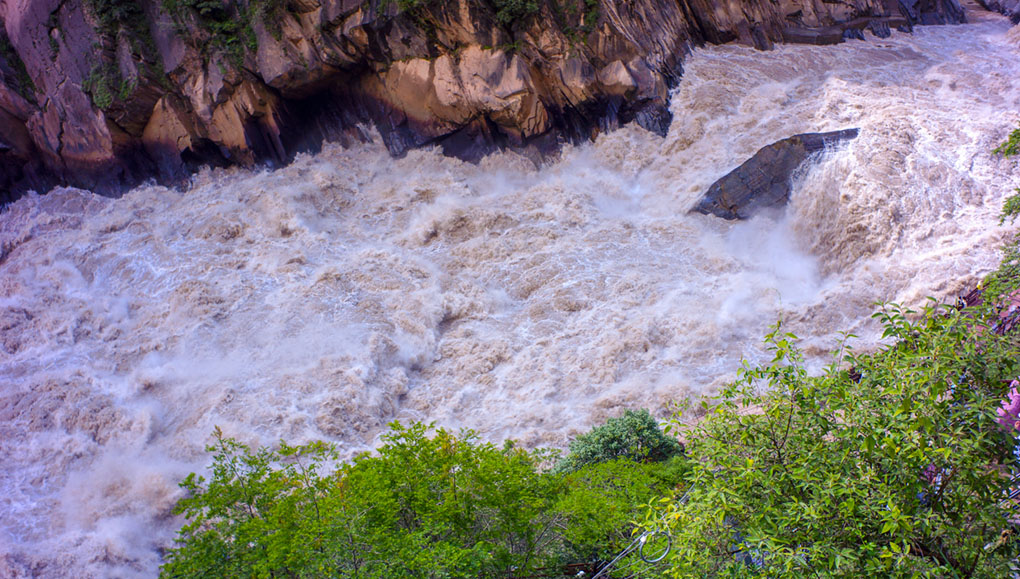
x=1010, y=8
x=104, y=93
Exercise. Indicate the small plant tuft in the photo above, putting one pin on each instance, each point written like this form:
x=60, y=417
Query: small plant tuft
x=99, y=85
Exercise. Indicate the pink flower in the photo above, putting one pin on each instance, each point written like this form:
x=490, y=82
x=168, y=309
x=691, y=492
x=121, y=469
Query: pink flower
x=1009, y=414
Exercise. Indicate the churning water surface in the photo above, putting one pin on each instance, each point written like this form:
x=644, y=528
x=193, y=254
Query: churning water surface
x=324, y=299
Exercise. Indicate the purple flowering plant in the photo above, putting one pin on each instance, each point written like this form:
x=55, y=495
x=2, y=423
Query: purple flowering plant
x=1009, y=413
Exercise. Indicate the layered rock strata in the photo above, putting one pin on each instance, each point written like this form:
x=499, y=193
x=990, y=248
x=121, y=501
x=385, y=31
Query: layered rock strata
x=103, y=93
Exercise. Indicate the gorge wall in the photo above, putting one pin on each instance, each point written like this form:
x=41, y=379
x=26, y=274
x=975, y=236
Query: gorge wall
x=104, y=93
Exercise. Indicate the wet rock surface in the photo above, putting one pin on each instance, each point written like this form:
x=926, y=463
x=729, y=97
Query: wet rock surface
x=763, y=181
x=103, y=98
x=1010, y=8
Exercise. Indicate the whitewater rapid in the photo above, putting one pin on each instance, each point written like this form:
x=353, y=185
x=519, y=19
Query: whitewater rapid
x=349, y=289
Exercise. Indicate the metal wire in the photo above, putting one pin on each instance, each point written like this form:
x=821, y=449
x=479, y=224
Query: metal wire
x=635, y=544
x=661, y=556
x=639, y=543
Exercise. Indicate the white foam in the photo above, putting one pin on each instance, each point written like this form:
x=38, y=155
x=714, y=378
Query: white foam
x=324, y=299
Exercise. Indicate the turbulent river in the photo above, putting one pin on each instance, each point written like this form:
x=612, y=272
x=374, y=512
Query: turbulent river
x=349, y=289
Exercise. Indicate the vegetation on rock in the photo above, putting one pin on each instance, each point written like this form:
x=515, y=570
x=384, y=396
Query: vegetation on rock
x=577, y=18
x=510, y=11
x=11, y=63
x=114, y=15
x=116, y=21
x=226, y=27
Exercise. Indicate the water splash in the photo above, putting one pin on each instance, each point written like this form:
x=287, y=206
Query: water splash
x=349, y=289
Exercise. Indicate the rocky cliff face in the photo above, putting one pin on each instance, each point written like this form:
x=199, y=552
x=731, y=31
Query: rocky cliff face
x=103, y=93
x=1010, y=8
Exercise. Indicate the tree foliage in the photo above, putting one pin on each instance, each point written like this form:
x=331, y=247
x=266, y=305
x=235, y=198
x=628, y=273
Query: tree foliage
x=888, y=464
x=426, y=504
x=1011, y=208
x=1011, y=146
x=635, y=436
x=601, y=501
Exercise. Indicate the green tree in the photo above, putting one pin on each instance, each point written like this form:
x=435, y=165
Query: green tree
x=603, y=503
x=1011, y=146
x=635, y=435
x=888, y=464
x=449, y=505
x=1011, y=208
x=260, y=515
x=424, y=506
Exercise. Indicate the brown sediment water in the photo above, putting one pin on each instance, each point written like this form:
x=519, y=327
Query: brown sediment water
x=349, y=289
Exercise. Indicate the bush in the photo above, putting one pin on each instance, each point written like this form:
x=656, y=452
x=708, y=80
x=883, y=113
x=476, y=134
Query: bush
x=1011, y=146
x=893, y=468
x=443, y=505
x=635, y=435
x=602, y=503
x=224, y=27
x=425, y=507
x=510, y=11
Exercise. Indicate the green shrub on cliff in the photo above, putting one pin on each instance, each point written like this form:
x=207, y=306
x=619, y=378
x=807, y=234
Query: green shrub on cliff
x=510, y=11
x=887, y=465
x=576, y=18
x=223, y=26
x=113, y=15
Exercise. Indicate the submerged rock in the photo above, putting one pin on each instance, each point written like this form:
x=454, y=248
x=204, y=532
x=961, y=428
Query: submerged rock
x=763, y=181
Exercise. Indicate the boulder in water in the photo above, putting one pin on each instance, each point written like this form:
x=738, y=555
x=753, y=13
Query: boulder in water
x=763, y=181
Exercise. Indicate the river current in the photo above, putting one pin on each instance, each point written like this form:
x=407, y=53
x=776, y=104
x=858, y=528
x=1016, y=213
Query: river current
x=324, y=299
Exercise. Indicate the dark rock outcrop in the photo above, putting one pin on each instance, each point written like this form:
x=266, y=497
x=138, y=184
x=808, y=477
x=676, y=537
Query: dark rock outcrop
x=763, y=181
x=104, y=93
x=1010, y=8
